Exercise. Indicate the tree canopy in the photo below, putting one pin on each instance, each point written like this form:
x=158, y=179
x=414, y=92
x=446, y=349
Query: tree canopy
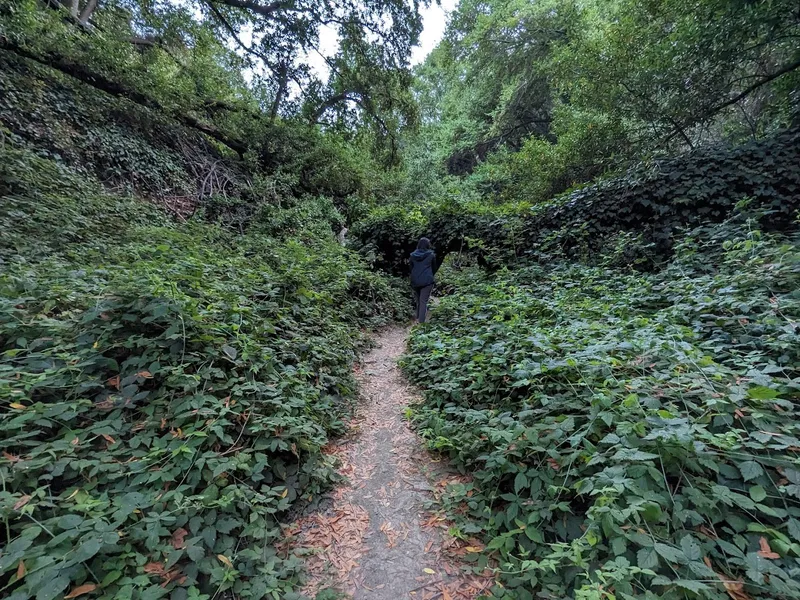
x=551, y=93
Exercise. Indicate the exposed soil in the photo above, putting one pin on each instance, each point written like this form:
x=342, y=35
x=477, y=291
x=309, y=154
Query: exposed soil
x=376, y=540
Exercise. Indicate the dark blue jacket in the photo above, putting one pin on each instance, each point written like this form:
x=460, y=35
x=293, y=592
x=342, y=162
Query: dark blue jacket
x=423, y=267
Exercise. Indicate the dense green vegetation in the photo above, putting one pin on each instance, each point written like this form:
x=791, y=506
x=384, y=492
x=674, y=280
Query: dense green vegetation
x=178, y=322
x=621, y=384
x=650, y=203
x=616, y=186
x=168, y=389
x=628, y=435
x=523, y=100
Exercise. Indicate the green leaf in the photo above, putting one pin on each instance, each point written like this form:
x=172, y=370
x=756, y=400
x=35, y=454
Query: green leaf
x=757, y=493
x=87, y=549
x=520, y=483
x=647, y=558
x=690, y=548
x=154, y=592
x=750, y=470
x=694, y=586
x=70, y=521
x=762, y=393
x=652, y=512
x=670, y=553
x=110, y=578
x=52, y=588
x=619, y=545
x=497, y=543
x=634, y=455
x=793, y=526
x=534, y=534
x=730, y=549
x=195, y=553
x=226, y=525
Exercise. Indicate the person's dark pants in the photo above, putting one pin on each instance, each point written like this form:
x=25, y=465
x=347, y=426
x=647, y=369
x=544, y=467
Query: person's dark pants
x=421, y=297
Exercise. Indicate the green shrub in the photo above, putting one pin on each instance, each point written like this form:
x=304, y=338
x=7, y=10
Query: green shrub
x=167, y=390
x=657, y=200
x=649, y=202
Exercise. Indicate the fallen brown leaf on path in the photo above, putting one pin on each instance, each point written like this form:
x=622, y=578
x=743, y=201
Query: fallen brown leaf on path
x=178, y=538
x=154, y=568
x=735, y=588
x=22, y=502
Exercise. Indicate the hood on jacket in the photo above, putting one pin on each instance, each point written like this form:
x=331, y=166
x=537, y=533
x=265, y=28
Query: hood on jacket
x=418, y=255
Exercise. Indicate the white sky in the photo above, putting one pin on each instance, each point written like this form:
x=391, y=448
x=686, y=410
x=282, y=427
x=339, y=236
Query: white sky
x=434, y=19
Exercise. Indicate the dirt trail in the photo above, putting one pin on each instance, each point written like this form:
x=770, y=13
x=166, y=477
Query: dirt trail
x=375, y=541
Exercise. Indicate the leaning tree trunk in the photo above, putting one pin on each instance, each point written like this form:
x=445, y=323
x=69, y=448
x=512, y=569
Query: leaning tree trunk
x=100, y=82
x=87, y=12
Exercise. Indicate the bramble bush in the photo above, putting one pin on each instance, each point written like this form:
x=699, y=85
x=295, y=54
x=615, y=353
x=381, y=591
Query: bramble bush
x=167, y=390
x=628, y=435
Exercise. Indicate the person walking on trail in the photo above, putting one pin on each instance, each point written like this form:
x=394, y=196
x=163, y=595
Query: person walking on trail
x=423, y=268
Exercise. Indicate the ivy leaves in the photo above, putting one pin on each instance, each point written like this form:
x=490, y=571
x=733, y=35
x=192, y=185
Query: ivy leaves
x=635, y=428
x=631, y=219
x=168, y=392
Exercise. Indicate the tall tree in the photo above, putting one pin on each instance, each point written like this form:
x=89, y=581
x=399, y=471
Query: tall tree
x=550, y=93
x=282, y=34
x=369, y=70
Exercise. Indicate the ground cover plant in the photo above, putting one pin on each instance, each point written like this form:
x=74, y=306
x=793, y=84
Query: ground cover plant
x=167, y=390
x=653, y=200
x=628, y=435
x=178, y=323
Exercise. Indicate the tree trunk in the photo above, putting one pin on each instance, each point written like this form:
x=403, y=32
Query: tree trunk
x=87, y=12
x=283, y=83
x=73, y=9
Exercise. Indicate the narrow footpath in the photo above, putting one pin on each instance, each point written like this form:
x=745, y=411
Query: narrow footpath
x=373, y=539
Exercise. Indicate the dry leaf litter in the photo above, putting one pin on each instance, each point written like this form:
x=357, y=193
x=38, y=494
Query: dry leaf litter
x=377, y=541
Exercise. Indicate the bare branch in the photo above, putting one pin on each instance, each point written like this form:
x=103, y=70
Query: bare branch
x=741, y=95
x=265, y=10
x=676, y=126
x=235, y=34
x=749, y=90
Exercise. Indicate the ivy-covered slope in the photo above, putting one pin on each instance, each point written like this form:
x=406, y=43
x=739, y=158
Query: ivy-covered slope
x=166, y=388
x=652, y=202
x=656, y=201
x=142, y=150
x=628, y=435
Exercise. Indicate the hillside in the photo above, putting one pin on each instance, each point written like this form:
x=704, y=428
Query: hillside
x=164, y=381
x=625, y=431
x=178, y=324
